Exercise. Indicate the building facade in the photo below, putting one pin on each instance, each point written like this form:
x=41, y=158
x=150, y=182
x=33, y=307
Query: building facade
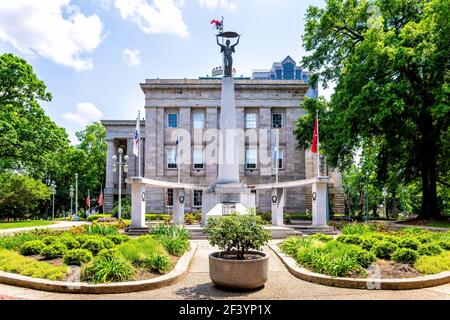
x=194, y=107
x=286, y=70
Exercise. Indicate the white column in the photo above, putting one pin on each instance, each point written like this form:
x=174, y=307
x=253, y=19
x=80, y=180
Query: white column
x=319, y=203
x=138, y=205
x=277, y=202
x=178, y=206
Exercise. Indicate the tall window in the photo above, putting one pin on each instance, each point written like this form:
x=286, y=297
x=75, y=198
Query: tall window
x=250, y=120
x=171, y=158
x=250, y=158
x=172, y=120
x=277, y=120
x=170, y=197
x=198, y=158
x=280, y=158
x=199, y=120
x=198, y=198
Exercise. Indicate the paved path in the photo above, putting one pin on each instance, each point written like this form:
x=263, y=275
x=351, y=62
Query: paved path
x=281, y=285
x=56, y=225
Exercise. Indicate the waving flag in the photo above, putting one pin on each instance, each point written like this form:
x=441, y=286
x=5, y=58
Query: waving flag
x=136, y=138
x=315, y=139
x=100, y=199
x=88, y=200
x=218, y=24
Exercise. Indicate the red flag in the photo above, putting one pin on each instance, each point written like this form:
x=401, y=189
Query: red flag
x=88, y=201
x=315, y=136
x=100, y=199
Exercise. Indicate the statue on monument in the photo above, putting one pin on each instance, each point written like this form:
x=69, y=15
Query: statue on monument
x=227, y=51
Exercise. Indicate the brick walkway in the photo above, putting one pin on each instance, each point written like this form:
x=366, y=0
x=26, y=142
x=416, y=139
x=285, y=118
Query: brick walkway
x=281, y=285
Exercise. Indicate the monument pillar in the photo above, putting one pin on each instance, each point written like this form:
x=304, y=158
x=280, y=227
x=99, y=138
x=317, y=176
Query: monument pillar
x=178, y=206
x=138, y=205
x=278, y=200
x=319, y=202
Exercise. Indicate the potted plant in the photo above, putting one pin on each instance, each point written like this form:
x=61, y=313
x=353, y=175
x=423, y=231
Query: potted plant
x=240, y=264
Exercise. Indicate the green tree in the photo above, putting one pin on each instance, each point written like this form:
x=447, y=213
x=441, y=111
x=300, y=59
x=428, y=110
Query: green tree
x=20, y=195
x=390, y=61
x=28, y=138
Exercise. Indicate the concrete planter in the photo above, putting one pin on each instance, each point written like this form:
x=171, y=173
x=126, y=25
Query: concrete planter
x=239, y=274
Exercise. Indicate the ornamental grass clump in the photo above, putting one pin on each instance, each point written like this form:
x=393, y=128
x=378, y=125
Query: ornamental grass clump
x=237, y=234
x=139, y=250
x=108, y=268
x=292, y=244
x=356, y=228
x=175, y=239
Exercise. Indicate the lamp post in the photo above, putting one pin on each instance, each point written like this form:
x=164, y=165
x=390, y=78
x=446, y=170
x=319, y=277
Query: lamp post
x=76, y=194
x=71, y=198
x=53, y=186
x=119, y=163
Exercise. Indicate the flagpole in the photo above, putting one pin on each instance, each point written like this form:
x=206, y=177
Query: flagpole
x=318, y=144
x=277, y=151
x=178, y=159
x=139, y=142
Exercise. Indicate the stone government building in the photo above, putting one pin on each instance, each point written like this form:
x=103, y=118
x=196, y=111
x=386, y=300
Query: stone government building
x=194, y=105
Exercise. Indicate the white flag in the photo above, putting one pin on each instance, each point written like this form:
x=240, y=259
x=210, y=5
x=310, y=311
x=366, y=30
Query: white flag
x=136, y=138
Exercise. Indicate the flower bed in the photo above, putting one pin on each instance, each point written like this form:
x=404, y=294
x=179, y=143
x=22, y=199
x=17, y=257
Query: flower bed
x=103, y=254
x=360, y=251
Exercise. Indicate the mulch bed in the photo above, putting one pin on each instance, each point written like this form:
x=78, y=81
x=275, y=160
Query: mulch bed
x=392, y=270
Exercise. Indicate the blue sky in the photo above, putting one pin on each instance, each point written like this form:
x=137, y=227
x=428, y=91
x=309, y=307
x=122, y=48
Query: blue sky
x=92, y=54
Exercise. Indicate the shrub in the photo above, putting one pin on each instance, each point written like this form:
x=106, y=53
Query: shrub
x=383, y=249
x=95, y=217
x=189, y=218
x=198, y=216
x=322, y=237
x=32, y=247
x=53, y=251
x=433, y=264
x=350, y=239
x=138, y=250
x=237, y=233
x=156, y=216
x=405, y=255
x=167, y=219
x=15, y=241
x=364, y=257
x=159, y=263
x=444, y=244
x=429, y=249
x=118, y=238
x=77, y=256
x=356, y=228
x=70, y=242
x=266, y=216
x=102, y=229
x=107, y=243
x=368, y=242
x=409, y=242
x=393, y=239
x=93, y=244
x=11, y=261
x=175, y=246
x=107, y=268
x=172, y=231
x=50, y=239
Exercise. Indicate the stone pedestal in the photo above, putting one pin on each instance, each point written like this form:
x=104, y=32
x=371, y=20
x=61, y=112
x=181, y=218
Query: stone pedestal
x=319, y=202
x=178, y=206
x=277, y=205
x=138, y=205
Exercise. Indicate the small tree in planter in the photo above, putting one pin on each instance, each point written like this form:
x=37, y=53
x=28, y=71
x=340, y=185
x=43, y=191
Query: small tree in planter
x=237, y=265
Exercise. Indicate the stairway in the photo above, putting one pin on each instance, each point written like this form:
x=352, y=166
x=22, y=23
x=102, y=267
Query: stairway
x=304, y=227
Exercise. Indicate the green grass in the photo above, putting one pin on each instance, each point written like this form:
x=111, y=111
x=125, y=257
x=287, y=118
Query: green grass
x=23, y=224
x=439, y=224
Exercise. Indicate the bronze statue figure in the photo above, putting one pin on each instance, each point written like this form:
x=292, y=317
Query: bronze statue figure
x=228, y=51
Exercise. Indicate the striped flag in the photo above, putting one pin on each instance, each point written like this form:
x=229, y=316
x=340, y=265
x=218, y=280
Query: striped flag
x=136, y=138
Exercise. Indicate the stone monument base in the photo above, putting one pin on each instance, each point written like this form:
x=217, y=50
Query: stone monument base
x=224, y=199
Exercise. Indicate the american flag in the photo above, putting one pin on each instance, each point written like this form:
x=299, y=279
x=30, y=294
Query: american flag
x=136, y=138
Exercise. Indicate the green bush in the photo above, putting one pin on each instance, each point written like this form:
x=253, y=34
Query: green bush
x=118, y=238
x=15, y=241
x=53, y=251
x=13, y=262
x=405, y=255
x=70, y=242
x=384, y=249
x=444, y=244
x=237, y=233
x=95, y=217
x=356, y=228
x=393, y=239
x=77, y=256
x=107, y=243
x=429, y=249
x=198, y=216
x=189, y=218
x=102, y=229
x=364, y=257
x=321, y=237
x=32, y=247
x=409, y=242
x=433, y=264
x=159, y=263
x=107, y=268
x=156, y=216
x=350, y=239
x=292, y=244
x=50, y=239
x=138, y=250
x=93, y=244
x=368, y=242
x=266, y=217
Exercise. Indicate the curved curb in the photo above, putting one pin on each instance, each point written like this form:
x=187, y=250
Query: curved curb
x=172, y=277
x=360, y=283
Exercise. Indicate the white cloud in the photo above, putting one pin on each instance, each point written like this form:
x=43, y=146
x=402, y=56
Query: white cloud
x=163, y=16
x=39, y=27
x=213, y=4
x=86, y=112
x=132, y=57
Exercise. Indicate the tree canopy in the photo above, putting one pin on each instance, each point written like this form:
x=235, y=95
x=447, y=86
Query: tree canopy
x=390, y=60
